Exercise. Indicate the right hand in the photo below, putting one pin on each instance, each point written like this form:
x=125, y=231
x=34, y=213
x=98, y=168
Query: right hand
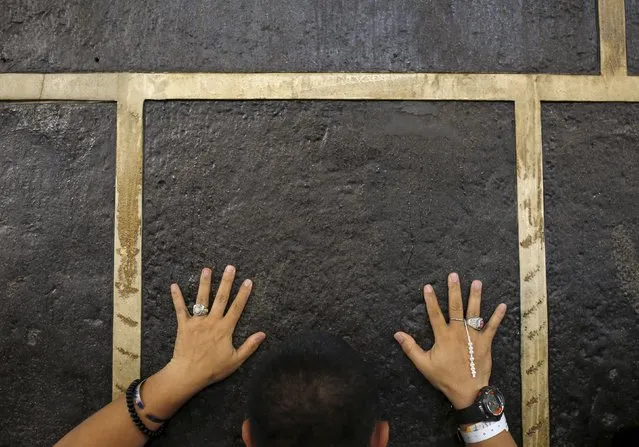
x=446, y=365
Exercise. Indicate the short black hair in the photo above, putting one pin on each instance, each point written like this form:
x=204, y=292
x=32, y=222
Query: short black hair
x=315, y=391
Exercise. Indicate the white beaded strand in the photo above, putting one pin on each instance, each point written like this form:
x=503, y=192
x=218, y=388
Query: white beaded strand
x=471, y=352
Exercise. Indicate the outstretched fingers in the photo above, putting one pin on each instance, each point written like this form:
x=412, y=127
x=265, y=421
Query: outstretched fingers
x=235, y=310
x=495, y=320
x=455, y=303
x=204, y=290
x=410, y=347
x=250, y=346
x=223, y=292
x=181, y=311
x=474, y=300
x=435, y=315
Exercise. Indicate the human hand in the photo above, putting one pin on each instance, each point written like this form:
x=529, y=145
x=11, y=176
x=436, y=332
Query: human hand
x=204, y=351
x=446, y=365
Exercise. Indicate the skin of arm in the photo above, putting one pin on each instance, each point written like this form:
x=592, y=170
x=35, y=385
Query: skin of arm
x=446, y=364
x=204, y=354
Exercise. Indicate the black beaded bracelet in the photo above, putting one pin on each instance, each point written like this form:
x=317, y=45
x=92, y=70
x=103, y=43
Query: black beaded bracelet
x=130, y=399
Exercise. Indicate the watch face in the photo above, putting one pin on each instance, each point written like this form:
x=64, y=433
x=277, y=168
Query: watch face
x=493, y=402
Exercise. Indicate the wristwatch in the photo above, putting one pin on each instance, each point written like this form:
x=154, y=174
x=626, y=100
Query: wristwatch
x=488, y=406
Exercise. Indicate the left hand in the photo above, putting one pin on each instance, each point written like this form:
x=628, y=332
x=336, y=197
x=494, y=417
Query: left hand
x=203, y=354
x=204, y=351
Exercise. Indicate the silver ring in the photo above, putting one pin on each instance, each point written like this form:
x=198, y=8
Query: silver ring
x=200, y=310
x=476, y=323
x=456, y=319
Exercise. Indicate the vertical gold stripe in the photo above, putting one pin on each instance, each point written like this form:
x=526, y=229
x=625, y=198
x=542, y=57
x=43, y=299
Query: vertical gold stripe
x=532, y=273
x=127, y=294
x=131, y=89
x=612, y=37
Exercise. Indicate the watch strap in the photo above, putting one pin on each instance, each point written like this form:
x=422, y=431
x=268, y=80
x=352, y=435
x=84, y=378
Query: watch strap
x=483, y=430
x=472, y=415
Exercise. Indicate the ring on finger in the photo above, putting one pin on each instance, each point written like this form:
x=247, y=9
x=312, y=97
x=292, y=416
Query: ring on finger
x=456, y=319
x=200, y=310
x=476, y=323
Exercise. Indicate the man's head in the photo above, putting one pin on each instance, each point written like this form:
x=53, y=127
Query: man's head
x=315, y=391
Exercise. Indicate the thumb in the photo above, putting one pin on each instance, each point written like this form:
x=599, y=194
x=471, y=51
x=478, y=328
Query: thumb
x=409, y=345
x=250, y=346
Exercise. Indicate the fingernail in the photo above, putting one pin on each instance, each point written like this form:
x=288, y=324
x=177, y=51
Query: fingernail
x=206, y=273
x=503, y=307
x=428, y=288
x=248, y=283
x=454, y=277
x=174, y=287
x=399, y=337
x=260, y=337
x=476, y=284
x=229, y=269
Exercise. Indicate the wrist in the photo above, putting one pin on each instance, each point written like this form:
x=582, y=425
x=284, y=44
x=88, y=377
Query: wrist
x=464, y=397
x=166, y=391
x=488, y=406
x=183, y=377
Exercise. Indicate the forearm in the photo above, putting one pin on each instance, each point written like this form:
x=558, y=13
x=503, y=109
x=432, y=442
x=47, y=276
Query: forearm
x=110, y=426
x=162, y=394
x=203, y=354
